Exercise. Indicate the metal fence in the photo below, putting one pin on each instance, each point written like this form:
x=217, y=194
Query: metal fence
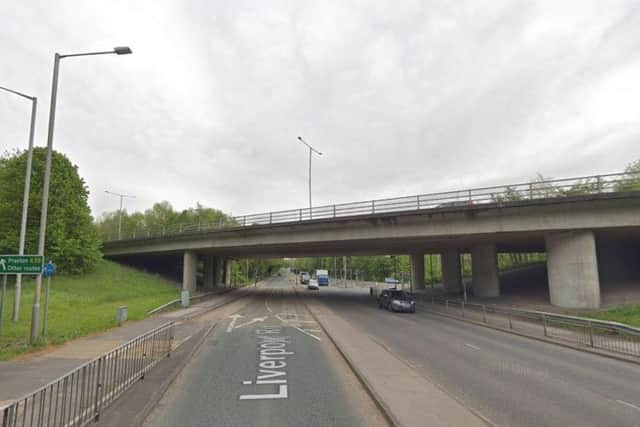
x=610, y=336
x=456, y=200
x=77, y=398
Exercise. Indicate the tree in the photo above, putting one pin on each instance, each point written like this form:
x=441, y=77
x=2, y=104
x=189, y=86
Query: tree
x=71, y=241
x=631, y=181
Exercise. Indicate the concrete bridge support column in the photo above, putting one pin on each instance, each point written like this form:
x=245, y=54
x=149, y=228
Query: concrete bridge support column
x=572, y=268
x=451, y=274
x=209, y=271
x=484, y=268
x=190, y=264
x=227, y=272
x=219, y=272
x=417, y=270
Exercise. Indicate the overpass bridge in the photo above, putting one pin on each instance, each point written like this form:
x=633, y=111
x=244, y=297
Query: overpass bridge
x=588, y=226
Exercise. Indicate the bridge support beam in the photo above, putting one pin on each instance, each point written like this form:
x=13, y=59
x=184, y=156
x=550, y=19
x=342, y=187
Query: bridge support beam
x=451, y=274
x=484, y=269
x=417, y=270
x=209, y=271
x=572, y=268
x=190, y=264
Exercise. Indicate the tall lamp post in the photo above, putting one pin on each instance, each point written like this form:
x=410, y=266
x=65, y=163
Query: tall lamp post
x=25, y=199
x=311, y=151
x=123, y=50
x=122, y=196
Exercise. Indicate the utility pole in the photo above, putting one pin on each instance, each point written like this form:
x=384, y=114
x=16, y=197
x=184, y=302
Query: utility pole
x=122, y=196
x=25, y=197
x=35, y=310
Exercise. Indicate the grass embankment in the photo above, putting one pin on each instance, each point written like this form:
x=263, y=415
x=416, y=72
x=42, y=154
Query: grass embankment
x=81, y=305
x=628, y=314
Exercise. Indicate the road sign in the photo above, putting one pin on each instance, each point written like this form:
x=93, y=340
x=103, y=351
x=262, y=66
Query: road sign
x=49, y=269
x=21, y=264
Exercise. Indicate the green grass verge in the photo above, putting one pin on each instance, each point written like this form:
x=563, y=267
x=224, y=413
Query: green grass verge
x=81, y=305
x=628, y=314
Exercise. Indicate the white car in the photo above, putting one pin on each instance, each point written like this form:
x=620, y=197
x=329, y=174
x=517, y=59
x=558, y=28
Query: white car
x=313, y=284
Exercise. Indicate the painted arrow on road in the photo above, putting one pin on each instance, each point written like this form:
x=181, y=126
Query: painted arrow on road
x=234, y=319
x=257, y=319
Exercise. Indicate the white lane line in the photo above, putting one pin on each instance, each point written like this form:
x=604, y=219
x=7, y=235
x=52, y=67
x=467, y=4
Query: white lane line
x=307, y=333
x=266, y=304
x=629, y=404
x=472, y=346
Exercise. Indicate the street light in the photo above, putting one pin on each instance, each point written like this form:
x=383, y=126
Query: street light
x=25, y=198
x=123, y=50
x=311, y=151
x=122, y=196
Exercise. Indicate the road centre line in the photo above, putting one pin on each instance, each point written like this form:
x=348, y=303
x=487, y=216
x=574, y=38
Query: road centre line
x=307, y=333
x=472, y=346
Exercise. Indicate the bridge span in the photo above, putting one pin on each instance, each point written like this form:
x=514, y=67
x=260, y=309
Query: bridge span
x=587, y=237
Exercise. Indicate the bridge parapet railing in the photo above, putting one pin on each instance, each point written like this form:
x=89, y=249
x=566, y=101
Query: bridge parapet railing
x=77, y=398
x=449, y=200
x=599, y=334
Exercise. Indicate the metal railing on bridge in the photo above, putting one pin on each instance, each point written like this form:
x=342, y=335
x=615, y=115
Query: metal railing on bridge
x=460, y=199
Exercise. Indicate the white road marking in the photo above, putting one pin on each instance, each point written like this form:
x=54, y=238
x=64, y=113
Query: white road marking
x=307, y=333
x=629, y=404
x=254, y=320
x=266, y=304
x=234, y=319
x=472, y=346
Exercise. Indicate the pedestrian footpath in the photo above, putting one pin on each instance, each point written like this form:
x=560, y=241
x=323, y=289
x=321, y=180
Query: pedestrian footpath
x=30, y=372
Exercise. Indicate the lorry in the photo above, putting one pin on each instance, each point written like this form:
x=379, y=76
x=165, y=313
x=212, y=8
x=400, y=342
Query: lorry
x=323, y=277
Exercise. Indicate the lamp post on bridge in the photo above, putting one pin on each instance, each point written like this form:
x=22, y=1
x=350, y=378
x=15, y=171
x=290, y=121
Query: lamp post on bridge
x=35, y=313
x=122, y=196
x=311, y=151
x=25, y=198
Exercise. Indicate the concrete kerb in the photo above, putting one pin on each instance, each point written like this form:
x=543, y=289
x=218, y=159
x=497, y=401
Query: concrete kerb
x=541, y=339
x=377, y=399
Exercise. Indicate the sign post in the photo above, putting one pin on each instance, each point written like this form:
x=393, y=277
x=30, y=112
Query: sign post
x=47, y=272
x=17, y=264
x=2, y=297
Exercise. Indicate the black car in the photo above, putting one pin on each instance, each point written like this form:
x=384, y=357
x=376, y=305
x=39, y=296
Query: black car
x=396, y=300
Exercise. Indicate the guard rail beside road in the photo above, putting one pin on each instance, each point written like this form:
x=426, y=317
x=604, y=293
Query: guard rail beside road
x=598, y=334
x=77, y=398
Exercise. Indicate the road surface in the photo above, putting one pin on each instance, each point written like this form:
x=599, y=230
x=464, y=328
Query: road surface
x=268, y=364
x=511, y=380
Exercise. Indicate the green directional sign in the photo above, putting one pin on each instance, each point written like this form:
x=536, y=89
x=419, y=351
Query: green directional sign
x=21, y=264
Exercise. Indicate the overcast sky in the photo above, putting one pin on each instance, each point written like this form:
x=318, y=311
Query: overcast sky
x=402, y=97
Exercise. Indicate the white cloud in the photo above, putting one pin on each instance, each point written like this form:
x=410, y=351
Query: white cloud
x=402, y=97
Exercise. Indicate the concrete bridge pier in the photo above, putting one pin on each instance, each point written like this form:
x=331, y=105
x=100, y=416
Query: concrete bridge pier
x=572, y=269
x=190, y=265
x=451, y=274
x=227, y=272
x=219, y=272
x=209, y=271
x=417, y=270
x=484, y=270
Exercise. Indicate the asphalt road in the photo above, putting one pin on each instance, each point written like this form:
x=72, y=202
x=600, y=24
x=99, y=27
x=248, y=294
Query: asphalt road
x=271, y=367
x=514, y=381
